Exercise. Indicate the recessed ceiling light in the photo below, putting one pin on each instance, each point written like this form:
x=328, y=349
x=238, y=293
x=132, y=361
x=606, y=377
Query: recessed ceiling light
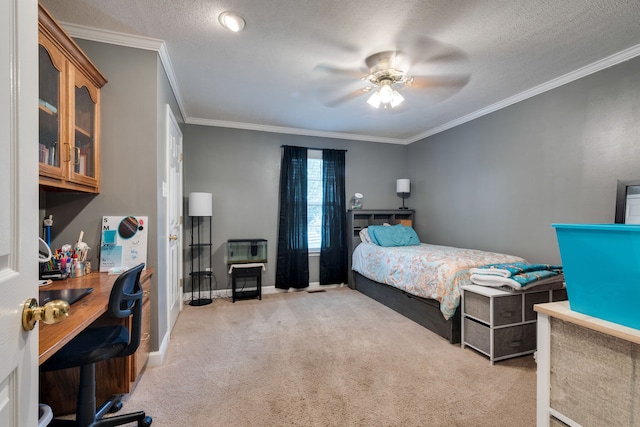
x=232, y=21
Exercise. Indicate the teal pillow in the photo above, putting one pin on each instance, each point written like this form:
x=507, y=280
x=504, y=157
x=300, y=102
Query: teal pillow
x=394, y=235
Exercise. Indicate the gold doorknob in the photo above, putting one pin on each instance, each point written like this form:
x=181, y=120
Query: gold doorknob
x=52, y=312
x=173, y=237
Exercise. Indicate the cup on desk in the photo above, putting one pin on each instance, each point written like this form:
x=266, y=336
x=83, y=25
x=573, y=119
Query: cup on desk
x=77, y=269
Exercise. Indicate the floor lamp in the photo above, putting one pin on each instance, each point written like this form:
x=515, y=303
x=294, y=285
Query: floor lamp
x=200, y=206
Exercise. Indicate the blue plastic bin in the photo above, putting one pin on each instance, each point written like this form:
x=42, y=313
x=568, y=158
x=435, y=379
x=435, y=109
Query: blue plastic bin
x=601, y=265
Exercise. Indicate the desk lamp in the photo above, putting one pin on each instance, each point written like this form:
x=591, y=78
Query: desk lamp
x=403, y=187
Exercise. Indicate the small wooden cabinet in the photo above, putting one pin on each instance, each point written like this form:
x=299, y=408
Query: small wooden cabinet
x=502, y=324
x=139, y=359
x=358, y=219
x=69, y=111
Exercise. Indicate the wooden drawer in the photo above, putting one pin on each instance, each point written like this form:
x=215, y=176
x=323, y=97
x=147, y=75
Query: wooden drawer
x=506, y=309
x=506, y=341
x=142, y=354
x=139, y=359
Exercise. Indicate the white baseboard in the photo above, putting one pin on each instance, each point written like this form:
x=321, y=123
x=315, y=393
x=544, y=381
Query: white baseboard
x=156, y=357
x=313, y=286
x=266, y=290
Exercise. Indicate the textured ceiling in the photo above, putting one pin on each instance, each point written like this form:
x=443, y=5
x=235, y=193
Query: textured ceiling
x=295, y=59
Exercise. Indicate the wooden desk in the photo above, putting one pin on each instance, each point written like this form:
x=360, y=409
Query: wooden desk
x=91, y=308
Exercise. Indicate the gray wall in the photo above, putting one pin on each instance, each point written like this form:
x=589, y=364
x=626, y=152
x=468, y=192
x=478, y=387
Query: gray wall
x=498, y=182
x=241, y=168
x=132, y=156
x=127, y=148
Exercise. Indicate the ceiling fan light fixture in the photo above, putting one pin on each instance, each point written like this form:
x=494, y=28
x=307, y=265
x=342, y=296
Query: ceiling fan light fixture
x=374, y=100
x=232, y=21
x=386, y=92
x=396, y=99
x=385, y=95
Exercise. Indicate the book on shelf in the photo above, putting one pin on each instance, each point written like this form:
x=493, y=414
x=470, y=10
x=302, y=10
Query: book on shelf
x=42, y=154
x=82, y=164
x=47, y=155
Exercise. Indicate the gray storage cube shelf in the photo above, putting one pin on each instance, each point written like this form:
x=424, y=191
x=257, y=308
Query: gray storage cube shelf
x=502, y=324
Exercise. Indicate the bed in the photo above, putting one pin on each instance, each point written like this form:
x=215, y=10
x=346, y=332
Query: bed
x=420, y=281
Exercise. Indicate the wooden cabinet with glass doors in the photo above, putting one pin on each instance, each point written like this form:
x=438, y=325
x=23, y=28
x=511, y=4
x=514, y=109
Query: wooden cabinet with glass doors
x=69, y=111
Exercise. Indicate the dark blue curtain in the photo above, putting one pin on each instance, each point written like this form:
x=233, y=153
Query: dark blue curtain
x=333, y=252
x=292, y=266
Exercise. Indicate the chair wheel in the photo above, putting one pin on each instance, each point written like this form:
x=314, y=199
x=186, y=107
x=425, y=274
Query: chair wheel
x=145, y=422
x=116, y=407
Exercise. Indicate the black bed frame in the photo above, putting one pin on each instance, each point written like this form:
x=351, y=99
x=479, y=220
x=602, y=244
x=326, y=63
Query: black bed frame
x=423, y=311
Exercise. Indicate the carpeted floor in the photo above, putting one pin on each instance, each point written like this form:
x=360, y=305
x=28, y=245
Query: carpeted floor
x=335, y=358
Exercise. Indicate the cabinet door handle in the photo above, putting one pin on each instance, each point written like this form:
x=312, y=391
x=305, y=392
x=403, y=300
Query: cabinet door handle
x=76, y=157
x=68, y=152
x=173, y=237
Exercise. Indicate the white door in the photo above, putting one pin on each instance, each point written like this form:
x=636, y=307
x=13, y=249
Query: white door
x=174, y=218
x=18, y=210
x=633, y=209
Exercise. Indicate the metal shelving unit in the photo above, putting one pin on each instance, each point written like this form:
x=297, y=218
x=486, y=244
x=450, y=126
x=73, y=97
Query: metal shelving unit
x=201, y=254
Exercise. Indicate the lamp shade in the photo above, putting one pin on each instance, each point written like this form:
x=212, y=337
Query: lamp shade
x=403, y=186
x=200, y=204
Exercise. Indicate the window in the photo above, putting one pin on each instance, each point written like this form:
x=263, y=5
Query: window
x=314, y=199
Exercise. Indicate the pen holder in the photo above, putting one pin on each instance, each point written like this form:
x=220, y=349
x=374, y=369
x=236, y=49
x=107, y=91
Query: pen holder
x=77, y=269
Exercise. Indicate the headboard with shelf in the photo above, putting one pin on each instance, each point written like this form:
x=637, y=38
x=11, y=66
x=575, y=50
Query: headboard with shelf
x=357, y=219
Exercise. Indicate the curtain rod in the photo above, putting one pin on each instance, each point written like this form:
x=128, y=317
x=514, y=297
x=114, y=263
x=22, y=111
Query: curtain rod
x=313, y=148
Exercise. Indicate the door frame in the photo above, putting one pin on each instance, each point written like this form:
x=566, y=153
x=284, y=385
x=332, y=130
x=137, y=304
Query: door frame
x=171, y=122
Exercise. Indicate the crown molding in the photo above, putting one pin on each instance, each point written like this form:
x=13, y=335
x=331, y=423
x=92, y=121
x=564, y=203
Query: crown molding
x=112, y=37
x=592, y=68
x=148, y=43
x=137, y=42
x=292, y=131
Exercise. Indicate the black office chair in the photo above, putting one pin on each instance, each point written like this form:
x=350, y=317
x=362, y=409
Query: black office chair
x=101, y=343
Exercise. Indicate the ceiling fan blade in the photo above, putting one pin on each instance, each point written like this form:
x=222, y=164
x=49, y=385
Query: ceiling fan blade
x=345, y=98
x=337, y=71
x=429, y=50
x=445, y=82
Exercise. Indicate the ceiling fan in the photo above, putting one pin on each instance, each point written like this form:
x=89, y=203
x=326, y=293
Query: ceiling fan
x=385, y=74
x=385, y=79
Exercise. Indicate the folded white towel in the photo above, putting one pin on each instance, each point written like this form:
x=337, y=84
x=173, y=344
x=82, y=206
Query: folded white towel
x=499, y=281
x=490, y=272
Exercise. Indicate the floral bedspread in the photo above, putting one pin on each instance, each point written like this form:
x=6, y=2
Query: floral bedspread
x=428, y=271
